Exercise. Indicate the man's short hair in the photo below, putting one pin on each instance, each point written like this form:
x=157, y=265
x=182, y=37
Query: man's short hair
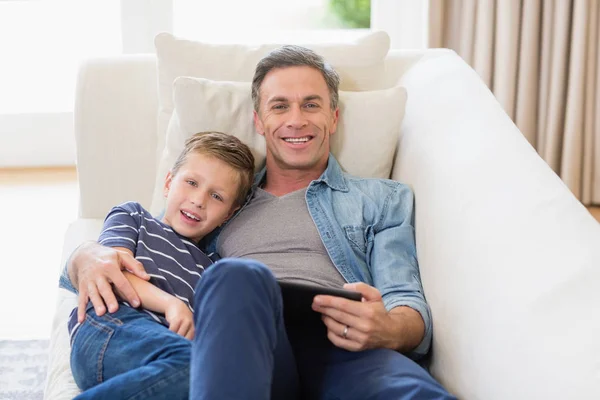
x=226, y=148
x=295, y=56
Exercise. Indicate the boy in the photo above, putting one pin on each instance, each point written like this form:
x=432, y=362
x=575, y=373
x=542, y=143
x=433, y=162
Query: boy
x=145, y=352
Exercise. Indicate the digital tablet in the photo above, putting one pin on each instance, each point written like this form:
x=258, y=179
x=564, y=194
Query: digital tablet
x=298, y=299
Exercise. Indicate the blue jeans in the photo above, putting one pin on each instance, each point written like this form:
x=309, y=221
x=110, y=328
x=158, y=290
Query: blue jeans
x=128, y=355
x=244, y=350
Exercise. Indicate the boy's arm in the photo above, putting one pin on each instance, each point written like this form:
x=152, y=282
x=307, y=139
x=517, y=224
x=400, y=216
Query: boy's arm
x=155, y=299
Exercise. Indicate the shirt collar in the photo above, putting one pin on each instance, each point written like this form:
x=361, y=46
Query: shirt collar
x=333, y=176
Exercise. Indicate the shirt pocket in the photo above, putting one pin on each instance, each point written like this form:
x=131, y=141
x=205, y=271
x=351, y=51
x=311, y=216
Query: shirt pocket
x=356, y=235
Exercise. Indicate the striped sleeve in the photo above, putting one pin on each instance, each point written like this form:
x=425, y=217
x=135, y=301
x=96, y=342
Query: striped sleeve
x=121, y=226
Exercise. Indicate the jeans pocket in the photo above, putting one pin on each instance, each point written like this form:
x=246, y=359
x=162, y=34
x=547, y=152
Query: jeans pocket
x=87, y=353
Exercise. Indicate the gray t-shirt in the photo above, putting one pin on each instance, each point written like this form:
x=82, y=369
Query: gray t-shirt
x=279, y=232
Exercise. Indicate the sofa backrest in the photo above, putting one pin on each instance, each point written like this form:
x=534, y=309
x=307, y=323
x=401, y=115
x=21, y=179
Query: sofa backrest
x=116, y=108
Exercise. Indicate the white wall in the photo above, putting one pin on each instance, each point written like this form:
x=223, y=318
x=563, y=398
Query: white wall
x=28, y=140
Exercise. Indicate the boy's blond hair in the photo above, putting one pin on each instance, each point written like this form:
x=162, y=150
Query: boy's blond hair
x=226, y=148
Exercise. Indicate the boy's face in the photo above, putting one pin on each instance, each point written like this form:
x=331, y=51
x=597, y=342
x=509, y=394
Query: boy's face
x=200, y=196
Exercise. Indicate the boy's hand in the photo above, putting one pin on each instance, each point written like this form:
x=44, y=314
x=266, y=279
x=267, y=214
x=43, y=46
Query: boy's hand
x=180, y=318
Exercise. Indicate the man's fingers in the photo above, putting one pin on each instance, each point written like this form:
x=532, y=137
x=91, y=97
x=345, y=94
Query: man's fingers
x=134, y=266
x=125, y=289
x=322, y=302
x=342, y=317
x=81, y=307
x=368, y=292
x=106, y=292
x=342, y=343
x=96, y=299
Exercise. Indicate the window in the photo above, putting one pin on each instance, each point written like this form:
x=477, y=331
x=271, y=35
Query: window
x=42, y=43
x=260, y=21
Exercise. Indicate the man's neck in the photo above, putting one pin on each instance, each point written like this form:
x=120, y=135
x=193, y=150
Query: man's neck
x=281, y=182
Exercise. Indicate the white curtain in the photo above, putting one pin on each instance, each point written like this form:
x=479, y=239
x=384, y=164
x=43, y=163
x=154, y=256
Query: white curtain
x=540, y=58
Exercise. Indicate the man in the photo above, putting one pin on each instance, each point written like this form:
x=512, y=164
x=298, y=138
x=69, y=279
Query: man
x=307, y=221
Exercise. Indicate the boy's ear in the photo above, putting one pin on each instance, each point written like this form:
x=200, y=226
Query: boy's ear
x=233, y=210
x=167, y=186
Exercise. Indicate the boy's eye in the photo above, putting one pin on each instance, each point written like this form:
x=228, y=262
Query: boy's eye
x=217, y=197
x=191, y=182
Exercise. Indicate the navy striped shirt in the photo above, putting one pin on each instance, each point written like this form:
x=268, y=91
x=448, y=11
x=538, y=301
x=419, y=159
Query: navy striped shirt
x=173, y=262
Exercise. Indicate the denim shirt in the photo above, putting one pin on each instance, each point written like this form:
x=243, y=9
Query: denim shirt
x=367, y=227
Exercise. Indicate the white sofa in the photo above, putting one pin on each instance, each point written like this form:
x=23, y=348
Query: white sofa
x=510, y=260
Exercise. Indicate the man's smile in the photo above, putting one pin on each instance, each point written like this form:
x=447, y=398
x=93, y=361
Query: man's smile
x=297, y=140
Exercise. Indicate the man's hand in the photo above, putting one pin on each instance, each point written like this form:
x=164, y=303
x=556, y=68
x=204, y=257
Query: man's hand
x=93, y=268
x=369, y=325
x=180, y=318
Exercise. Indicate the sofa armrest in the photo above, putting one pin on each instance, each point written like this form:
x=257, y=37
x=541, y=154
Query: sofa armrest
x=508, y=256
x=116, y=105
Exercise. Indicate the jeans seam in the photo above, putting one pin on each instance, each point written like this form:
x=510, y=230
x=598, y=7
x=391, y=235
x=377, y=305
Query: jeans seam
x=100, y=363
x=112, y=319
x=173, y=377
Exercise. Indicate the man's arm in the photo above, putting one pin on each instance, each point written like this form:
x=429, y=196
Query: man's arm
x=407, y=328
x=92, y=268
x=394, y=313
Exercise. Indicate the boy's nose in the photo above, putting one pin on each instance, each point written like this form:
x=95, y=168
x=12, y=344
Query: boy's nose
x=199, y=201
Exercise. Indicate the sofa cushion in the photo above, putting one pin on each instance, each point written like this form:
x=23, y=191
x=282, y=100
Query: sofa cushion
x=364, y=144
x=360, y=64
x=59, y=381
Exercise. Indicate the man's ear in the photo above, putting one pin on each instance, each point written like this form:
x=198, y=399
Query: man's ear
x=168, y=180
x=258, y=125
x=336, y=117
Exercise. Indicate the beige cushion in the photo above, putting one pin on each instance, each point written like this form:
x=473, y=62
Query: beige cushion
x=364, y=143
x=360, y=64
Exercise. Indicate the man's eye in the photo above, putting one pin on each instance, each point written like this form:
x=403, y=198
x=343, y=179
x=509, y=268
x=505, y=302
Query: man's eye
x=191, y=182
x=312, y=105
x=279, y=107
x=217, y=197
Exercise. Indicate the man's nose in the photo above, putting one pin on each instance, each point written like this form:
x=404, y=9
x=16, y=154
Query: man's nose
x=296, y=118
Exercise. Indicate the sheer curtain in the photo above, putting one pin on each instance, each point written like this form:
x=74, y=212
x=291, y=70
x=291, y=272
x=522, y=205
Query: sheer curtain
x=540, y=58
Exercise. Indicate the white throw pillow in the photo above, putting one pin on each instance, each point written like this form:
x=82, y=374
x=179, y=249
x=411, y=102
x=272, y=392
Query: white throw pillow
x=364, y=144
x=359, y=63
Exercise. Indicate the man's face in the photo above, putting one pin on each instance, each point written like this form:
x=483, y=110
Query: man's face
x=296, y=119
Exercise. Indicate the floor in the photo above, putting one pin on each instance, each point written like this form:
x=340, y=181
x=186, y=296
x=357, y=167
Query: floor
x=38, y=205
x=595, y=212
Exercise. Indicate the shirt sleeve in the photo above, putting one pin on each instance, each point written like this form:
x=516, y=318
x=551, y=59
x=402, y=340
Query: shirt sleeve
x=64, y=282
x=122, y=226
x=394, y=260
